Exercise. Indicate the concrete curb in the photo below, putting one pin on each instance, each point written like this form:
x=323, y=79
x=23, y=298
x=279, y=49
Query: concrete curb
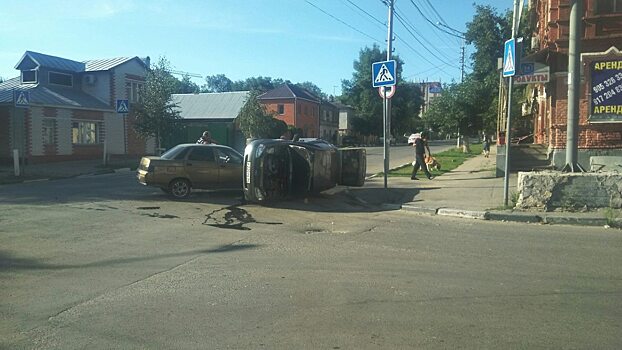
x=530, y=218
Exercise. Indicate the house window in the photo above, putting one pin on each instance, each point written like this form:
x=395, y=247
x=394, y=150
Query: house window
x=604, y=7
x=49, y=131
x=135, y=90
x=280, y=109
x=85, y=133
x=60, y=79
x=29, y=76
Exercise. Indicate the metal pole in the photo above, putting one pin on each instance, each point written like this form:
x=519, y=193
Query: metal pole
x=574, y=88
x=462, y=62
x=386, y=102
x=508, y=129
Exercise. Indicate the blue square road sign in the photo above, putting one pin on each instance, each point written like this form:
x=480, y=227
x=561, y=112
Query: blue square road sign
x=383, y=73
x=123, y=106
x=509, y=58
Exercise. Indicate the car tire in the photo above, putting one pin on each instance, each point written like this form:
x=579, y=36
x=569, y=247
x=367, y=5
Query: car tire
x=179, y=188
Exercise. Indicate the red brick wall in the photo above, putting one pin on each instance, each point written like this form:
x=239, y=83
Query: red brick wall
x=5, y=133
x=309, y=118
x=288, y=113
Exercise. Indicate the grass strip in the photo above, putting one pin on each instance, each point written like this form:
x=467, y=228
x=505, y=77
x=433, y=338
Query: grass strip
x=449, y=160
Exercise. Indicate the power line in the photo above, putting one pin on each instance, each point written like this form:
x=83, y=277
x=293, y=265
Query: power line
x=434, y=24
x=367, y=13
x=400, y=19
x=341, y=21
x=422, y=36
x=436, y=12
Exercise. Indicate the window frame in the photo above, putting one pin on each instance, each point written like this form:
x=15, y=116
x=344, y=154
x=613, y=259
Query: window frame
x=59, y=73
x=134, y=90
x=48, y=132
x=80, y=137
x=280, y=109
x=35, y=81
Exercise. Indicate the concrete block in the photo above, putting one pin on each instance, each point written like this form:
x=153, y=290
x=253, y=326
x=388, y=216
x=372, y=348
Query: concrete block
x=606, y=163
x=514, y=217
x=469, y=214
x=418, y=209
x=552, y=189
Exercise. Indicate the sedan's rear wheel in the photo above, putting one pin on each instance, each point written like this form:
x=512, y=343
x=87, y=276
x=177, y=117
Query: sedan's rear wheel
x=179, y=188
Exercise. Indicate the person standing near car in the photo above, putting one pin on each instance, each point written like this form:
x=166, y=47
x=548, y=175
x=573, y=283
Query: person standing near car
x=205, y=139
x=421, y=145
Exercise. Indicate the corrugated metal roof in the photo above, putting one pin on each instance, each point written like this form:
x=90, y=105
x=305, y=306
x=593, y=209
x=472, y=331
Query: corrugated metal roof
x=53, y=62
x=105, y=64
x=51, y=96
x=223, y=105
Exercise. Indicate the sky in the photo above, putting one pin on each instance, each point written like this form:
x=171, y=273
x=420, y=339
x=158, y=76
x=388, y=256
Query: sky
x=296, y=40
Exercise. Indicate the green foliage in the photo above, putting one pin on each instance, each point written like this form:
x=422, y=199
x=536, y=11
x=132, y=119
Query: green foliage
x=217, y=83
x=314, y=89
x=156, y=115
x=186, y=86
x=358, y=93
x=256, y=122
x=471, y=106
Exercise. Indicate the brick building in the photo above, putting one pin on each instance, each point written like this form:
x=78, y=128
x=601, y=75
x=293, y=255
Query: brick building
x=296, y=107
x=68, y=108
x=601, y=41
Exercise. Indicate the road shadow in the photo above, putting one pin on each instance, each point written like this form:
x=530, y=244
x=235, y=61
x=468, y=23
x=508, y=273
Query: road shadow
x=9, y=262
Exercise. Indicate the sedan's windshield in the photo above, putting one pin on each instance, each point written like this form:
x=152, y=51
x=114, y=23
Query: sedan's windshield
x=177, y=152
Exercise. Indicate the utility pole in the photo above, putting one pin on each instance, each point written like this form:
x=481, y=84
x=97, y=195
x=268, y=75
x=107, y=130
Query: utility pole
x=574, y=88
x=462, y=62
x=387, y=102
x=508, y=136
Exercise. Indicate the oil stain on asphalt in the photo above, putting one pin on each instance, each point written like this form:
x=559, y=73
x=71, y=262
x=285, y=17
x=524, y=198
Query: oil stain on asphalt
x=234, y=218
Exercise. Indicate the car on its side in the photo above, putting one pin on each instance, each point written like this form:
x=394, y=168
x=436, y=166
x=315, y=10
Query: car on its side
x=279, y=169
x=192, y=166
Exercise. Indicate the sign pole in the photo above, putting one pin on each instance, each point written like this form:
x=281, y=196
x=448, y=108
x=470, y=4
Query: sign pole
x=508, y=128
x=386, y=110
x=574, y=88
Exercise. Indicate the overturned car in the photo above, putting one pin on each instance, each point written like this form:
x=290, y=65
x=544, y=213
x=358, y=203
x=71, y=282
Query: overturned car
x=278, y=169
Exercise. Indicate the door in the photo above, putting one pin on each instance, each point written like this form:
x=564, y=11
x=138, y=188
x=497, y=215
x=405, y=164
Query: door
x=230, y=168
x=202, y=168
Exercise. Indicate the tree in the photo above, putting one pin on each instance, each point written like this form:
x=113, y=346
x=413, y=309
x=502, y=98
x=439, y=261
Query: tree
x=314, y=89
x=156, y=115
x=218, y=83
x=358, y=93
x=256, y=122
x=186, y=86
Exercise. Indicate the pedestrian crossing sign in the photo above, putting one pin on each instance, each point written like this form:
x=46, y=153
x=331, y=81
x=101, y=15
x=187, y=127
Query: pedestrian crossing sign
x=21, y=98
x=123, y=106
x=383, y=73
x=509, y=58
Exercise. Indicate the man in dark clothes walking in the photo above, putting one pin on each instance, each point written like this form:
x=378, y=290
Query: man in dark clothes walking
x=421, y=145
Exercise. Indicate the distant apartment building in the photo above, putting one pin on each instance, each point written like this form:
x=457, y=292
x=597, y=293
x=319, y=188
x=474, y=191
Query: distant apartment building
x=295, y=106
x=60, y=109
x=600, y=124
x=429, y=90
x=329, y=122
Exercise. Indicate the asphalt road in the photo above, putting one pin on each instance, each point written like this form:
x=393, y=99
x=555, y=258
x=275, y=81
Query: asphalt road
x=102, y=262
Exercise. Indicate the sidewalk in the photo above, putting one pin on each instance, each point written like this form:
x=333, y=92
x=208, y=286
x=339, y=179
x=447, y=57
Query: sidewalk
x=59, y=170
x=469, y=191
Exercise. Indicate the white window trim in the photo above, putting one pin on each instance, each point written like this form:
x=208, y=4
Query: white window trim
x=21, y=76
x=59, y=73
